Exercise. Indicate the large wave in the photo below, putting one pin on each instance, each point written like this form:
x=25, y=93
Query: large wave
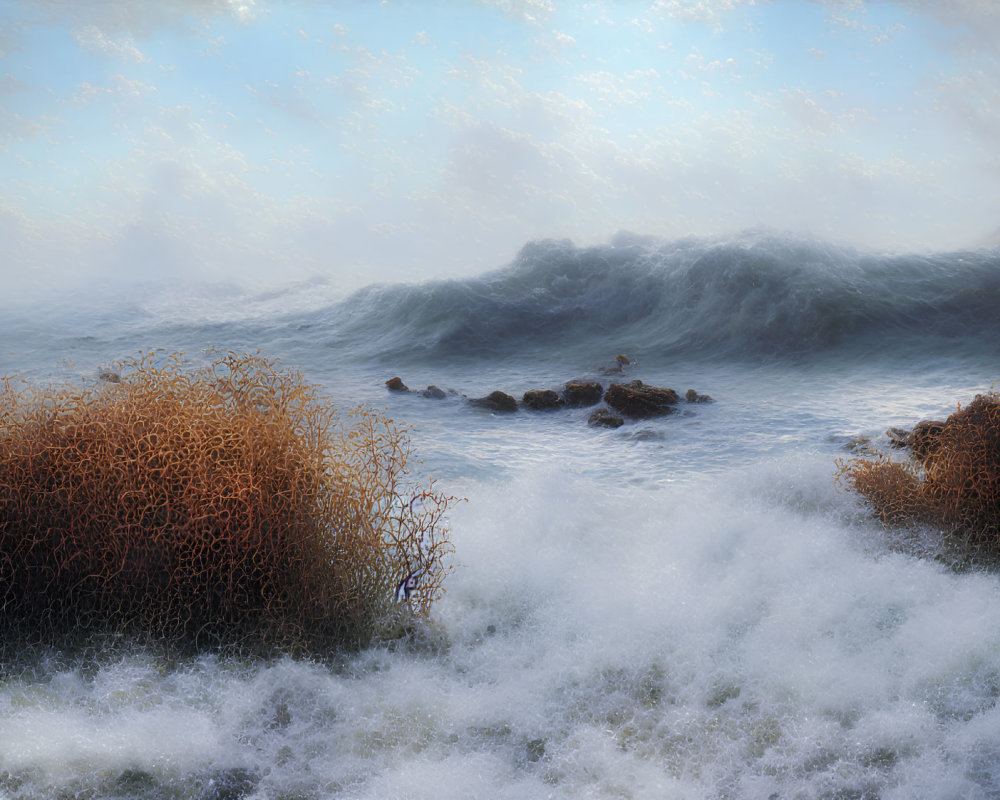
x=759, y=294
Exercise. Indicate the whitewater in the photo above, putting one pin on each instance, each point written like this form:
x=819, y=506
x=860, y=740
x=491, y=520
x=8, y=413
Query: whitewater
x=685, y=607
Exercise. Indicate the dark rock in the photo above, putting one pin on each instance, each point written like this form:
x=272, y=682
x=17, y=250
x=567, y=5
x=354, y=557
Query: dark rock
x=396, y=385
x=433, y=392
x=858, y=444
x=898, y=437
x=110, y=376
x=582, y=393
x=923, y=439
x=635, y=399
x=606, y=418
x=541, y=399
x=693, y=397
x=496, y=401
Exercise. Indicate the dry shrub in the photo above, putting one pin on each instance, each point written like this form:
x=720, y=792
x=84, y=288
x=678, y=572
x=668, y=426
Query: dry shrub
x=954, y=484
x=226, y=506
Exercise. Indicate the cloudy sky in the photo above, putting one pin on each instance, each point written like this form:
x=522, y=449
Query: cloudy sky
x=394, y=140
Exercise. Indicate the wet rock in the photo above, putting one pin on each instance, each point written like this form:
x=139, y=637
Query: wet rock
x=582, y=393
x=396, y=385
x=635, y=399
x=923, y=439
x=433, y=392
x=496, y=401
x=693, y=397
x=857, y=444
x=898, y=437
x=542, y=399
x=605, y=418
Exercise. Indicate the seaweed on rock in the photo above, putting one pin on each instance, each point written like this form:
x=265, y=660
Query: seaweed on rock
x=954, y=483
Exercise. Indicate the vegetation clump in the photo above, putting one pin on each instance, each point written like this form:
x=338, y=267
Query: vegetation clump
x=952, y=483
x=226, y=507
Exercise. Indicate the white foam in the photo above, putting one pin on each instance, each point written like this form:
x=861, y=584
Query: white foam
x=700, y=640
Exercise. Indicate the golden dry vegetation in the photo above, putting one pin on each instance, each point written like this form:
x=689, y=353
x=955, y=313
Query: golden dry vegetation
x=952, y=482
x=227, y=506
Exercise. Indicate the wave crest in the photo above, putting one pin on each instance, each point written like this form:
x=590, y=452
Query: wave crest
x=758, y=294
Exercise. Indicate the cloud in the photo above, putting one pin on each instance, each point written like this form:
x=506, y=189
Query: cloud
x=121, y=89
x=980, y=19
x=124, y=47
x=552, y=43
x=709, y=12
x=803, y=109
x=619, y=90
x=10, y=84
x=533, y=12
x=16, y=127
x=113, y=22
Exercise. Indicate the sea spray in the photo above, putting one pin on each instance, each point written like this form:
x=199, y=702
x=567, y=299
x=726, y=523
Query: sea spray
x=683, y=641
x=681, y=608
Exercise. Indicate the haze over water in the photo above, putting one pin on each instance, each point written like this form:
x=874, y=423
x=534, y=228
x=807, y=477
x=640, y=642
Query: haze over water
x=687, y=607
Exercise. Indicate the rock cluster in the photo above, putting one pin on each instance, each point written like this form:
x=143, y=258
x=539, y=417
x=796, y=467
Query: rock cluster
x=622, y=400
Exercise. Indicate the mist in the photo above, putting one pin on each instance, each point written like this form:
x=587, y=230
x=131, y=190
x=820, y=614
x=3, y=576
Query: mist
x=258, y=143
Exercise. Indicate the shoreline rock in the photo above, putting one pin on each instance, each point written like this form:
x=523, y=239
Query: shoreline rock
x=433, y=392
x=636, y=399
x=579, y=394
x=542, y=400
x=495, y=401
x=605, y=418
x=631, y=400
x=692, y=396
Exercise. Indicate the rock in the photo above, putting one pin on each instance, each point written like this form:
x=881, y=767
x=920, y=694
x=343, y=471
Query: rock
x=541, y=399
x=693, y=397
x=606, y=418
x=898, y=437
x=635, y=399
x=396, y=385
x=110, y=376
x=923, y=439
x=496, y=401
x=582, y=393
x=858, y=444
x=433, y=392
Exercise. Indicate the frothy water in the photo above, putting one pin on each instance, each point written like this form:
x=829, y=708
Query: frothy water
x=687, y=607
x=693, y=641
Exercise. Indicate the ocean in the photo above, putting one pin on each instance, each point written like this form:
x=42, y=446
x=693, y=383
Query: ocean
x=689, y=607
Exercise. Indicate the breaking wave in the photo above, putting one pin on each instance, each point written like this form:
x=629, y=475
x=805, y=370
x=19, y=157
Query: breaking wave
x=759, y=294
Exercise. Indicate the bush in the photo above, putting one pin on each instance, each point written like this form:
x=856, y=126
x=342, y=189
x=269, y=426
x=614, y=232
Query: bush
x=222, y=507
x=954, y=483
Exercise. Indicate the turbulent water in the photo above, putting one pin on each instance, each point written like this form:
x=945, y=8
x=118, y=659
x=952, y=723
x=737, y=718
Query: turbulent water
x=687, y=607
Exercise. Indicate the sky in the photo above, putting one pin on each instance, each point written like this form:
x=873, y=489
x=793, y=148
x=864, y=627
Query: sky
x=278, y=140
